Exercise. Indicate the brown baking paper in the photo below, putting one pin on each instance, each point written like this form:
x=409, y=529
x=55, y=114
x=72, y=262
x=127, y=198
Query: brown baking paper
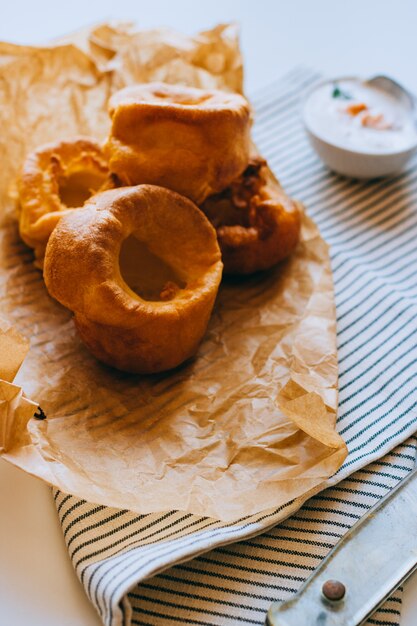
x=246, y=425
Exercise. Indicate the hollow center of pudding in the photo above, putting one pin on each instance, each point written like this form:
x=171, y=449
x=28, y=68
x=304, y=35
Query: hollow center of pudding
x=221, y=211
x=236, y=205
x=146, y=274
x=78, y=186
x=185, y=99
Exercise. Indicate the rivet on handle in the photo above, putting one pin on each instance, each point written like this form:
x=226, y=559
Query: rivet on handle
x=333, y=590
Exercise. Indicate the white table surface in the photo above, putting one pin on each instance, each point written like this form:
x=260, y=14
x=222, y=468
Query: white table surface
x=38, y=586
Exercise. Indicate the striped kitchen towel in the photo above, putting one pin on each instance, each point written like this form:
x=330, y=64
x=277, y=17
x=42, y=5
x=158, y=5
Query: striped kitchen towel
x=177, y=568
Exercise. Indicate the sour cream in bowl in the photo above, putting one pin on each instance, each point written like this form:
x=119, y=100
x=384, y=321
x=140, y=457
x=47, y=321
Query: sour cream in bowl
x=362, y=129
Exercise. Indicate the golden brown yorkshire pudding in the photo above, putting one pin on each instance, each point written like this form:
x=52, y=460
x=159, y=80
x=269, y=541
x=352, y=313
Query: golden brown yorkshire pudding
x=194, y=141
x=140, y=268
x=257, y=224
x=55, y=179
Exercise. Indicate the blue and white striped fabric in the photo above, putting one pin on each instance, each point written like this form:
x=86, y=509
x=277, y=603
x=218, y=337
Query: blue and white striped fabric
x=178, y=569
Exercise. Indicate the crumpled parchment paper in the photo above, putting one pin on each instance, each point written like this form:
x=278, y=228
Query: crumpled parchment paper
x=249, y=423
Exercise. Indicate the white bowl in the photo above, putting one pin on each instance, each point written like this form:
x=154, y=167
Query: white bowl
x=352, y=163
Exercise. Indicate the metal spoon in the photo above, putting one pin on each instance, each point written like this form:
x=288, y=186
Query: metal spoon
x=389, y=85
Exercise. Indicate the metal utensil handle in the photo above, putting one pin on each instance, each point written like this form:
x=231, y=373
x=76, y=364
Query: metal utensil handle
x=369, y=562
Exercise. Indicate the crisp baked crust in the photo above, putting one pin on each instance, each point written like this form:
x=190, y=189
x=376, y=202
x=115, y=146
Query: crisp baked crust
x=44, y=175
x=194, y=141
x=257, y=224
x=120, y=327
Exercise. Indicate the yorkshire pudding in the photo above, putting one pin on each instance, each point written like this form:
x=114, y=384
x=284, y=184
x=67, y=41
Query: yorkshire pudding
x=257, y=224
x=140, y=268
x=55, y=179
x=194, y=141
